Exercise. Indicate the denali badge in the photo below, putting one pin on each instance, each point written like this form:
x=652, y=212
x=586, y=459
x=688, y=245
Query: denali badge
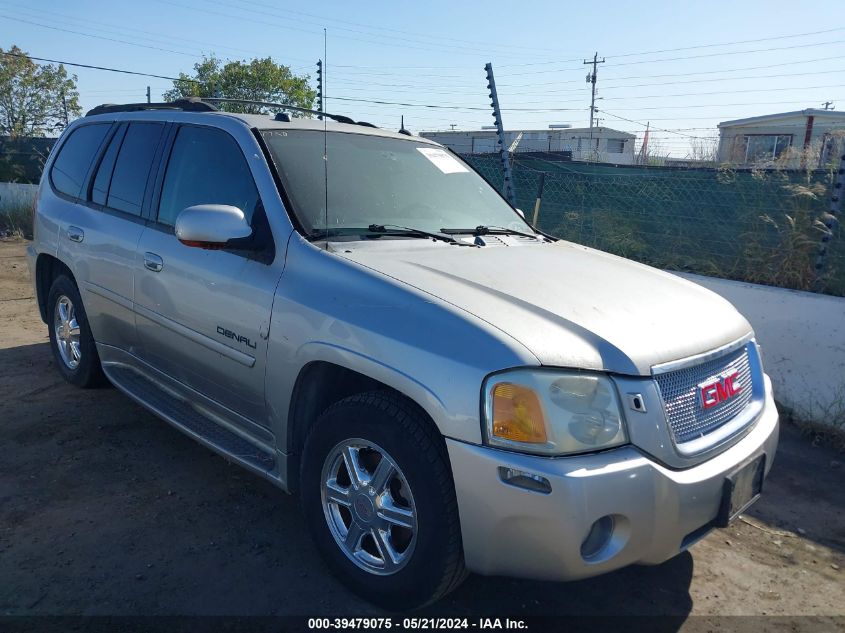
x=719, y=388
x=235, y=337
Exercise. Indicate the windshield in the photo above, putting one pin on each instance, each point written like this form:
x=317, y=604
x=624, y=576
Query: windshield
x=383, y=181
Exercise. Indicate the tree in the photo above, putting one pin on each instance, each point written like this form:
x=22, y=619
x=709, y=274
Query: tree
x=35, y=100
x=257, y=80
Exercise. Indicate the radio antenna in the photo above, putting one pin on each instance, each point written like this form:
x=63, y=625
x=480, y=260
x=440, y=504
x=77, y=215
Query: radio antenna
x=325, y=140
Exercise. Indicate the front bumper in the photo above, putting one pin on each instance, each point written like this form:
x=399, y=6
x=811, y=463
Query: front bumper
x=658, y=512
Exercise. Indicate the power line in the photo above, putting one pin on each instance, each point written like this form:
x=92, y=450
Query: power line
x=356, y=85
x=645, y=125
x=113, y=70
x=99, y=37
x=370, y=26
x=122, y=29
x=758, y=50
x=451, y=106
x=685, y=57
x=264, y=22
x=410, y=105
x=688, y=94
x=693, y=81
x=716, y=105
x=404, y=37
x=687, y=48
x=689, y=74
x=725, y=92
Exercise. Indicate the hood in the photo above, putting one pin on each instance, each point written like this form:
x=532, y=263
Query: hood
x=571, y=306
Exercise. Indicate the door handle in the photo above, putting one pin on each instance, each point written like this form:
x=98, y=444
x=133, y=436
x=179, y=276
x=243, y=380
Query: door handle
x=75, y=234
x=153, y=262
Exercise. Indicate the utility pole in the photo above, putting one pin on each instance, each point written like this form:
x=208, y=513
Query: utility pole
x=453, y=125
x=828, y=105
x=148, y=94
x=510, y=193
x=320, y=86
x=591, y=79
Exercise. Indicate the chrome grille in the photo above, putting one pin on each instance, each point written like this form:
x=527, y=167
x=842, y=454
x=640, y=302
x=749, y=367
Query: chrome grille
x=681, y=401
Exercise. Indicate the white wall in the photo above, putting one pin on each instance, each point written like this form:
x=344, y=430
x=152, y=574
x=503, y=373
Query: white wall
x=15, y=194
x=555, y=140
x=802, y=336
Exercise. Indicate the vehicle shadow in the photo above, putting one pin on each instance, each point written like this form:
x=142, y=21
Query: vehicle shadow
x=662, y=590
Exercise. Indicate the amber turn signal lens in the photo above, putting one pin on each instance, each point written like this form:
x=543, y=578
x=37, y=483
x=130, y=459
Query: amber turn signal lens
x=517, y=414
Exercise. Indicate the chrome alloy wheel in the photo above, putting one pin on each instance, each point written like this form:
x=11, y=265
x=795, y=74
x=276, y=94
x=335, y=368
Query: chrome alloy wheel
x=368, y=506
x=67, y=332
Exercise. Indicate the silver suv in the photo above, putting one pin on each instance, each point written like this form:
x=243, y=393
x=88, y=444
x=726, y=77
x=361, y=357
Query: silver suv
x=358, y=317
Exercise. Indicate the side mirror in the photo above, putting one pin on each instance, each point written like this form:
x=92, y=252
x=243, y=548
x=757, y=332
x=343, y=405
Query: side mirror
x=211, y=225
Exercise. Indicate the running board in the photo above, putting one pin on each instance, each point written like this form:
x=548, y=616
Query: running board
x=190, y=421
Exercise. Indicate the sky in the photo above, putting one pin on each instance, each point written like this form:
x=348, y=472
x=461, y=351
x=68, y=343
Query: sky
x=680, y=67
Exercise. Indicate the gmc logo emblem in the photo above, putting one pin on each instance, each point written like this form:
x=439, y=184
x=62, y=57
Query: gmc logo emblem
x=719, y=388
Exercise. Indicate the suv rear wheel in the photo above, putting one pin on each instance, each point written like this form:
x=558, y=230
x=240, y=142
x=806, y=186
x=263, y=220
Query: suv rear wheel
x=70, y=335
x=378, y=498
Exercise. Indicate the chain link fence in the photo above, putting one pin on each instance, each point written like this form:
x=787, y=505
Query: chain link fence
x=762, y=226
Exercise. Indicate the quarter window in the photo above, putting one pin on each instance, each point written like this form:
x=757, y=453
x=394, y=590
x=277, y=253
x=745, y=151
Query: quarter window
x=75, y=156
x=206, y=166
x=132, y=167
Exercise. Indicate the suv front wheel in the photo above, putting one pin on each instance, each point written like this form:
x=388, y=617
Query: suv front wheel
x=378, y=498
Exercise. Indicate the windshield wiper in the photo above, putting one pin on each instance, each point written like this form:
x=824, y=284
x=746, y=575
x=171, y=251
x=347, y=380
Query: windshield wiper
x=407, y=231
x=488, y=230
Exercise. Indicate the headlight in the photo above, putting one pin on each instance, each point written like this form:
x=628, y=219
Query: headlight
x=552, y=412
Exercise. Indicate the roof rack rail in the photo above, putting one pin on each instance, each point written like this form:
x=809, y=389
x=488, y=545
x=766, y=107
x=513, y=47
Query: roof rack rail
x=284, y=106
x=205, y=104
x=188, y=104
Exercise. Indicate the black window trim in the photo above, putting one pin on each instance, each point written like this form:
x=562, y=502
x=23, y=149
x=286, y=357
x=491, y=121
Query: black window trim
x=119, y=127
x=153, y=166
x=95, y=157
x=265, y=256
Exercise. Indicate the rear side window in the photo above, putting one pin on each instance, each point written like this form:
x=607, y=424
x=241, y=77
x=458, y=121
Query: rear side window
x=75, y=156
x=100, y=187
x=132, y=167
x=206, y=166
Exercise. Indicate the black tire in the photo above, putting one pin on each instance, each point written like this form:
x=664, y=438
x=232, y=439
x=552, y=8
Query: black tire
x=435, y=565
x=88, y=372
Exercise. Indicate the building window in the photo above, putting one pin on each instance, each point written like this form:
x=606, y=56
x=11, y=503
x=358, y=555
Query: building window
x=615, y=145
x=833, y=146
x=765, y=147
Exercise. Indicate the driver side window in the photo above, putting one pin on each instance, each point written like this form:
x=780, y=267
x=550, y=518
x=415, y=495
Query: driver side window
x=206, y=166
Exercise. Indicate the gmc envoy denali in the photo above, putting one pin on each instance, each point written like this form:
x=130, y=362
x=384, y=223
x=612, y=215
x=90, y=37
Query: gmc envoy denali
x=357, y=316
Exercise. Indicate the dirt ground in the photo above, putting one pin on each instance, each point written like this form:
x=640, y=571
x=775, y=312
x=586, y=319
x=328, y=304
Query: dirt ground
x=106, y=510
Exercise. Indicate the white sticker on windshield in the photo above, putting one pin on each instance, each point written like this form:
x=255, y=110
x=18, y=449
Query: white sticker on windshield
x=441, y=159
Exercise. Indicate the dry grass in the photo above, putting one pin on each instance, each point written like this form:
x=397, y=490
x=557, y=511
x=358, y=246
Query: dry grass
x=825, y=425
x=17, y=221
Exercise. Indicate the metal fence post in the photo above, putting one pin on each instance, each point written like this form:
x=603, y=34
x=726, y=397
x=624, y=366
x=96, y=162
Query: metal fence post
x=540, y=186
x=832, y=219
x=510, y=192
